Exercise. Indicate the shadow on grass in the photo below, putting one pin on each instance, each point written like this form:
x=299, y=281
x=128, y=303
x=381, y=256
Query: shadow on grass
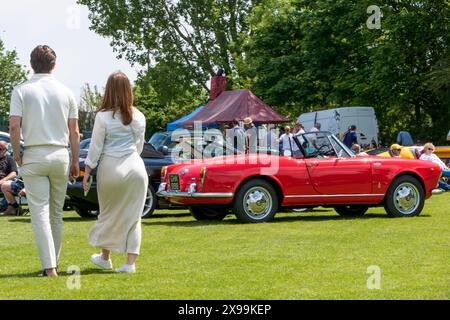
x=60, y=273
x=169, y=215
x=65, y=219
x=284, y=219
x=22, y=275
x=336, y=217
x=27, y=219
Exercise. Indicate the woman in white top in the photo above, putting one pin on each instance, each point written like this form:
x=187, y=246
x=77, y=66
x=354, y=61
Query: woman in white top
x=430, y=156
x=122, y=181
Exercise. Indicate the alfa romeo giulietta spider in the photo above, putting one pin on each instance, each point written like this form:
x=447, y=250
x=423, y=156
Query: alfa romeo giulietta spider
x=321, y=171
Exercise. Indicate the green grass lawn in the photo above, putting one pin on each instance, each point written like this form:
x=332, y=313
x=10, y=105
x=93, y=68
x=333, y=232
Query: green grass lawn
x=310, y=255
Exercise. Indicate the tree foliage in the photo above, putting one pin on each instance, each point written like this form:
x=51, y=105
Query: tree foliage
x=158, y=117
x=307, y=55
x=90, y=100
x=298, y=55
x=181, y=43
x=11, y=74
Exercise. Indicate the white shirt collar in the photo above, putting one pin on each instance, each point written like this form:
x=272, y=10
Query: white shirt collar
x=41, y=75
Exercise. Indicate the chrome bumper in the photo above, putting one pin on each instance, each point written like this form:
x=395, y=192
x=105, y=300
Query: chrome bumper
x=176, y=194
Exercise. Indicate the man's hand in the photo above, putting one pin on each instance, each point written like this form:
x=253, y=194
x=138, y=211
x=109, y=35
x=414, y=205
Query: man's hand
x=74, y=170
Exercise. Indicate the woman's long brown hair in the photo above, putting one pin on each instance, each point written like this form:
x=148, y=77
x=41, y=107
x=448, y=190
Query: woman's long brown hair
x=118, y=97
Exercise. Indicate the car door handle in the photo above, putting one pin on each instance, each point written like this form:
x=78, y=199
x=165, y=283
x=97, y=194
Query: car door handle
x=309, y=165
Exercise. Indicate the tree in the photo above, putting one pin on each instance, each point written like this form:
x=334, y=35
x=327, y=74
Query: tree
x=157, y=117
x=11, y=74
x=307, y=54
x=180, y=43
x=90, y=100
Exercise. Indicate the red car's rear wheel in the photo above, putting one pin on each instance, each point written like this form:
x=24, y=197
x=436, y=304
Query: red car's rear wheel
x=255, y=201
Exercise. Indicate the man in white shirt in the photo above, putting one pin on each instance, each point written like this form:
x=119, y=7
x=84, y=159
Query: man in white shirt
x=298, y=130
x=287, y=142
x=316, y=127
x=251, y=135
x=47, y=113
x=237, y=137
x=272, y=139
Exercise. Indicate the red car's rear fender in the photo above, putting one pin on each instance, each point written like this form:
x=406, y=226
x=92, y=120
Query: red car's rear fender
x=274, y=181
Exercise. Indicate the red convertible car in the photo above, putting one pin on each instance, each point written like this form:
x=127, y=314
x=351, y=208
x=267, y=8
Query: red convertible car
x=323, y=172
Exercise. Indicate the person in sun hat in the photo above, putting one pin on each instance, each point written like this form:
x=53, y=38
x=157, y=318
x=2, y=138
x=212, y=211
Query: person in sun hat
x=251, y=134
x=395, y=150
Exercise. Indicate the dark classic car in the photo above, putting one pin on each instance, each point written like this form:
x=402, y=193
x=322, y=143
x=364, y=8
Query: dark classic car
x=87, y=206
x=185, y=145
x=324, y=173
x=183, y=149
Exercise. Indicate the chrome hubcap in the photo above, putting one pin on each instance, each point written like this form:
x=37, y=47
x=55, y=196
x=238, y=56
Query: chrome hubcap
x=406, y=198
x=148, y=203
x=257, y=202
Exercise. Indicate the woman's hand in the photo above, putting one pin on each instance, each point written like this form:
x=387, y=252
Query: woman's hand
x=86, y=181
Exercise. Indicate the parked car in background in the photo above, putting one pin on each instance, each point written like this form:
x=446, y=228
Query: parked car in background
x=184, y=145
x=84, y=147
x=413, y=152
x=87, y=206
x=162, y=141
x=326, y=173
x=204, y=148
x=409, y=152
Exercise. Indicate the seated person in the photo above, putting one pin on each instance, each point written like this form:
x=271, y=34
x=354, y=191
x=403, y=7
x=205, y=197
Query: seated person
x=395, y=150
x=11, y=189
x=356, y=148
x=8, y=172
x=430, y=156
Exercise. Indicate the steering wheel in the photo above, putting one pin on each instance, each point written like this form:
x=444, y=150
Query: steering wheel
x=326, y=150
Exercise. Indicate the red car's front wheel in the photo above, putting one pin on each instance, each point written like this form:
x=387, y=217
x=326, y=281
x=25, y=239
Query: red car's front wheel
x=405, y=197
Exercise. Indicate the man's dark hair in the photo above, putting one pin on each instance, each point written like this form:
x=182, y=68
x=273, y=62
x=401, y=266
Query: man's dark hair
x=235, y=122
x=43, y=59
x=352, y=127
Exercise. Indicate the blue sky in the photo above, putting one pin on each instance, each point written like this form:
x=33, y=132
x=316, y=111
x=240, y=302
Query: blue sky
x=83, y=56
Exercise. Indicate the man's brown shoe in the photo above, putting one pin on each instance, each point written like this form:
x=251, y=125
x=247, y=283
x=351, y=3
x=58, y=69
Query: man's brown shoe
x=12, y=211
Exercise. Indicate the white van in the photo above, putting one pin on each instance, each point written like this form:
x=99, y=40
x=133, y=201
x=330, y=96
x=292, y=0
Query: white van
x=338, y=120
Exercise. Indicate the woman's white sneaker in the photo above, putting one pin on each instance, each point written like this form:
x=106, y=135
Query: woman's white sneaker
x=100, y=262
x=126, y=268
